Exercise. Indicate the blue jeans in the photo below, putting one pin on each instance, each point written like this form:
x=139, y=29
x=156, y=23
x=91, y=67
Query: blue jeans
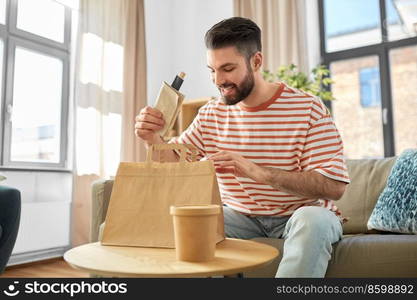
x=309, y=234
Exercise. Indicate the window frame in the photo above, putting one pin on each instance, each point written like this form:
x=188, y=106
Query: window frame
x=13, y=37
x=381, y=50
x=36, y=38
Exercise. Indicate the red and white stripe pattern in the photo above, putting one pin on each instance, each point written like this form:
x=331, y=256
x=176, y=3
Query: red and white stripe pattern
x=292, y=131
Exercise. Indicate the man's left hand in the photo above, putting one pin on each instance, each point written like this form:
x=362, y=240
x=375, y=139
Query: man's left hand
x=232, y=162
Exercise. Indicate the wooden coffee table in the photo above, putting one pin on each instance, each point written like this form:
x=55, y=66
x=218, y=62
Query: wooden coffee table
x=232, y=256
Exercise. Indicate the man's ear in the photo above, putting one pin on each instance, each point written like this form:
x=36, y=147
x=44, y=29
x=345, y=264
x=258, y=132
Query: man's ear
x=257, y=61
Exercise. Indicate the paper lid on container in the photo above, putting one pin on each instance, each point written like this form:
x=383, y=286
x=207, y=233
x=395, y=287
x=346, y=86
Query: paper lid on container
x=195, y=210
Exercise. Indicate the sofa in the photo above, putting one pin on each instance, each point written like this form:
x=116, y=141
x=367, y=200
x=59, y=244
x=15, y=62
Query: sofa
x=360, y=253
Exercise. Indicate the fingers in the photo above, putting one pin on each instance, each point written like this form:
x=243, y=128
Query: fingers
x=144, y=133
x=150, y=115
x=148, y=125
x=151, y=111
x=150, y=119
x=148, y=122
x=222, y=152
x=226, y=164
x=219, y=156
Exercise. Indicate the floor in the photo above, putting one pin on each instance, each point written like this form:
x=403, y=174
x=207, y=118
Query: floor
x=53, y=268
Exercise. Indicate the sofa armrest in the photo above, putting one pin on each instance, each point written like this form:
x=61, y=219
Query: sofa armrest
x=101, y=192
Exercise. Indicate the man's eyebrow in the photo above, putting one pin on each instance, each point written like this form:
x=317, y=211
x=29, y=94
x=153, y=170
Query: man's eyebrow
x=223, y=65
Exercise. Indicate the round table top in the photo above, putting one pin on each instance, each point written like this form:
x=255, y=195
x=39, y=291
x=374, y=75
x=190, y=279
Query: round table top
x=232, y=256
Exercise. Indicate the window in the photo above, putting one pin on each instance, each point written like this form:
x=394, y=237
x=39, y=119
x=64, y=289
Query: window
x=401, y=18
x=359, y=125
x=372, y=56
x=31, y=18
x=351, y=22
x=403, y=67
x=35, y=43
x=370, y=88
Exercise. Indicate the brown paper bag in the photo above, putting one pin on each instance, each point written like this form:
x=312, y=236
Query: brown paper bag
x=138, y=213
x=169, y=102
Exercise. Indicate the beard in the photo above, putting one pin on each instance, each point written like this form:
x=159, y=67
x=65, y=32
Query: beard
x=241, y=91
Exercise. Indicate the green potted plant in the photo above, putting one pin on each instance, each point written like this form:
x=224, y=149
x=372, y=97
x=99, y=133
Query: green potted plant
x=317, y=86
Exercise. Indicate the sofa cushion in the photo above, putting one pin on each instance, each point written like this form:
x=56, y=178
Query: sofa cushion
x=362, y=255
x=368, y=178
x=374, y=255
x=396, y=209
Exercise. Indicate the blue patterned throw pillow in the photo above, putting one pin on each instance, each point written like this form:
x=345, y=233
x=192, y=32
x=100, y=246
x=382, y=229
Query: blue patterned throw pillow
x=396, y=208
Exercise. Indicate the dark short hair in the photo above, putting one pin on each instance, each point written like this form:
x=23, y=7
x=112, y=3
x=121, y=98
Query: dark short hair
x=242, y=33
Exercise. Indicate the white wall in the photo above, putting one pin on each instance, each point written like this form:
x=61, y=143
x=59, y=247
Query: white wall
x=312, y=33
x=175, y=42
x=45, y=215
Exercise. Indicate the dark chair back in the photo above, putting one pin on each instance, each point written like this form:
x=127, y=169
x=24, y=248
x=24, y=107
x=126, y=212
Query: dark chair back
x=10, y=205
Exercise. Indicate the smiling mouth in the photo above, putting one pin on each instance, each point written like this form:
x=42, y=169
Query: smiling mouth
x=227, y=90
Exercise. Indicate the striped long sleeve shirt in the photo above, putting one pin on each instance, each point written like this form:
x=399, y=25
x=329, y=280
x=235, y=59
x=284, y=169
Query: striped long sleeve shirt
x=292, y=131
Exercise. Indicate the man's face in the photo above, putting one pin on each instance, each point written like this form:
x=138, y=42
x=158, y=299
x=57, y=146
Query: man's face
x=230, y=73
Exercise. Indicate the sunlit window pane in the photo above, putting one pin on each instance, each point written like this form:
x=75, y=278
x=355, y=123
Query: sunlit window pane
x=401, y=18
x=36, y=107
x=3, y=11
x=351, y=23
x=404, y=81
x=42, y=17
x=357, y=108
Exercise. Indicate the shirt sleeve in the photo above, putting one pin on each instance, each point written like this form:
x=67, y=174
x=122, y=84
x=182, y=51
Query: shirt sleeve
x=192, y=135
x=323, y=150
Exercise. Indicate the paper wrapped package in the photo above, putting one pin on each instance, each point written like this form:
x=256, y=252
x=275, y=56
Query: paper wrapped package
x=169, y=102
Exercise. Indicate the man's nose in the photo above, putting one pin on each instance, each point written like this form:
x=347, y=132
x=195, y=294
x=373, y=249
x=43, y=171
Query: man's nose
x=218, y=79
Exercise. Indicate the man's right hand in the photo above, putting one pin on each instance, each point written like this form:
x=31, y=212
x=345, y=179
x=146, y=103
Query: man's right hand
x=148, y=122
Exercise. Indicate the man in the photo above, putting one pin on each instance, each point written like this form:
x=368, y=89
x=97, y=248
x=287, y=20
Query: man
x=278, y=155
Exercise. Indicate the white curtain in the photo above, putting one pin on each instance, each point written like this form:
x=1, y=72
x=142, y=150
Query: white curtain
x=283, y=25
x=110, y=81
x=99, y=87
